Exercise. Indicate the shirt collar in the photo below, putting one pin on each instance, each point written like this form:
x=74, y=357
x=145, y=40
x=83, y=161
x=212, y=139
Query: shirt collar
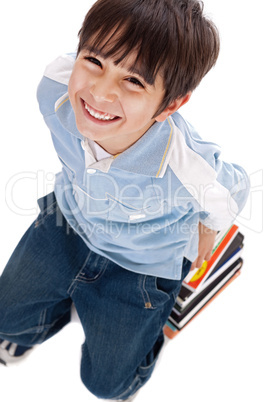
x=149, y=156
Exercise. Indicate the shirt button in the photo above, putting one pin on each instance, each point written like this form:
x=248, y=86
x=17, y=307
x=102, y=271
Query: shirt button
x=91, y=171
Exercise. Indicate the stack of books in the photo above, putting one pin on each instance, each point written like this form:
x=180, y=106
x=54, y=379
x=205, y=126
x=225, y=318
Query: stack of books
x=202, y=285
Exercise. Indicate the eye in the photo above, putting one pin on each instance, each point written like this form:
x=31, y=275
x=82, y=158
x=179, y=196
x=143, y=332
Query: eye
x=94, y=61
x=135, y=81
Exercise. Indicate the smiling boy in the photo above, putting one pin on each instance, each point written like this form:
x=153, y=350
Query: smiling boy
x=138, y=201
x=113, y=106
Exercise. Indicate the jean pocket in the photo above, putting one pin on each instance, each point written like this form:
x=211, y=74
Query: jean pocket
x=93, y=268
x=158, y=291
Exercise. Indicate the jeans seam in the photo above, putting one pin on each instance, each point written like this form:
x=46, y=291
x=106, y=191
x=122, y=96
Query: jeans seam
x=75, y=281
x=41, y=324
x=51, y=209
x=80, y=278
x=129, y=389
x=38, y=329
x=145, y=294
x=41, y=330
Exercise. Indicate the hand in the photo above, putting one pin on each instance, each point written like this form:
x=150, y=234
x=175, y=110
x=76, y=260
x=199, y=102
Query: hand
x=206, y=243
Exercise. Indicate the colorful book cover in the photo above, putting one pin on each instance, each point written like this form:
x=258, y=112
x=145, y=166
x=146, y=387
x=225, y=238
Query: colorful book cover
x=236, y=244
x=179, y=313
x=187, y=295
x=202, y=273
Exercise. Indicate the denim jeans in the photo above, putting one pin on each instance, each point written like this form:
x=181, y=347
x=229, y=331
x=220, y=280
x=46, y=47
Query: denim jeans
x=122, y=313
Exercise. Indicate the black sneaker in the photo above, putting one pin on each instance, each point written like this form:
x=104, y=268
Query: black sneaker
x=12, y=353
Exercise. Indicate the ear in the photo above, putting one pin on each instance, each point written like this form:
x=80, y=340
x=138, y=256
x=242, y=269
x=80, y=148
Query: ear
x=173, y=107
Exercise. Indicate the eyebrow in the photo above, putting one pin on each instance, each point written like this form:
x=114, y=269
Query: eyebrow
x=133, y=69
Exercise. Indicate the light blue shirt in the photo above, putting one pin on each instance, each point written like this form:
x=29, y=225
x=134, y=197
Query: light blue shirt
x=140, y=209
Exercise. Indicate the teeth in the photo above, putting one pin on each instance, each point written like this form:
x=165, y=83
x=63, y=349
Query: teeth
x=99, y=116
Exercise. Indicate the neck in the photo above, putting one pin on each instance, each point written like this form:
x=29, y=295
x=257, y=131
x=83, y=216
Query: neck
x=118, y=145
x=112, y=148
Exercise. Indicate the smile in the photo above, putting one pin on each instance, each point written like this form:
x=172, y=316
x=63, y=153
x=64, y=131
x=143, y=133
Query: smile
x=99, y=115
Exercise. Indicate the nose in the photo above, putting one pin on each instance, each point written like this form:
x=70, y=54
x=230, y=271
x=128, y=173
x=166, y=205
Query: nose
x=103, y=90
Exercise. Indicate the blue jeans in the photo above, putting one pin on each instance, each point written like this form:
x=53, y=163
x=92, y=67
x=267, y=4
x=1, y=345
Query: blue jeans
x=122, y=313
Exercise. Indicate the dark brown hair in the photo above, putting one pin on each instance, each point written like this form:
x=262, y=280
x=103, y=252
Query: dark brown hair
x=171, y=37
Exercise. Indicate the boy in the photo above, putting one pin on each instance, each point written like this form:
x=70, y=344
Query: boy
x=139, y=199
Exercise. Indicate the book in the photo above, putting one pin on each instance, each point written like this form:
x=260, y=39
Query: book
x=171, y=331
x=186, y=295
x=179, y=316
x=216, y=274
x=236, y=243
x=196, y=279
x=233, y=250
x=178, y=320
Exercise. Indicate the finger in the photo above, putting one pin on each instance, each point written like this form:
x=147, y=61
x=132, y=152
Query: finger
x=208, y=256
x=193, y=266
x=199, y=261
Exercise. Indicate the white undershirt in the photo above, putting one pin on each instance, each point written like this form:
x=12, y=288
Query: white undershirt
x=98, y=152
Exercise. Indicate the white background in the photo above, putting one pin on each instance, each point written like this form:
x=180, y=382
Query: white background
x=222, y=355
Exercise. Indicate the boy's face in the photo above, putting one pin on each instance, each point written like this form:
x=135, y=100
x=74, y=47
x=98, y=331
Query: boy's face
x=112, y=106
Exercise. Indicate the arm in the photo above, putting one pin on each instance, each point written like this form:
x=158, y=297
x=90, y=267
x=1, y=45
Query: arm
x=220, y=206
x=206, y=243
x=217, y=190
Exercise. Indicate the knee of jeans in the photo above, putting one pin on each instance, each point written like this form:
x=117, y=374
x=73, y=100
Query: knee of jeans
x=108, y=385
x=106, y=381
x=104, y=389
x=101, y=382
x=10, y=320
x=99, y=385
x=3, y=319
x=7, y=325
